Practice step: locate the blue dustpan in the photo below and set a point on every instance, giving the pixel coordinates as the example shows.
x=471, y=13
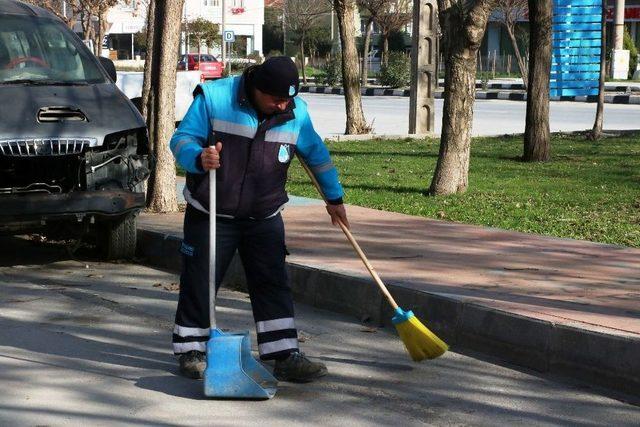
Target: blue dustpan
x=232, y=372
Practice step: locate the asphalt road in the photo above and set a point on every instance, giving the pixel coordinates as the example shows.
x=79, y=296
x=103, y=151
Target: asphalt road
x=88, y=343
x=390, y=115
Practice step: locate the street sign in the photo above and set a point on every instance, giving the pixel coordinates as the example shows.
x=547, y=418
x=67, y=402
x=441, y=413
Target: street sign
x=229, y=36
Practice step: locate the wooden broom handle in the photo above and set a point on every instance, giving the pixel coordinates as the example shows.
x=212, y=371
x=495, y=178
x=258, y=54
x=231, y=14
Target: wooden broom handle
x=352, y=240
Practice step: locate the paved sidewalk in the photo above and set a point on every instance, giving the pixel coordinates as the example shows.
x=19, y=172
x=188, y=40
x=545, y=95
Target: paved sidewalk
x=547, y=303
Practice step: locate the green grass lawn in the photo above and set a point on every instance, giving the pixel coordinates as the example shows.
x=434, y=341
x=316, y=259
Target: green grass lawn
x=587, y=191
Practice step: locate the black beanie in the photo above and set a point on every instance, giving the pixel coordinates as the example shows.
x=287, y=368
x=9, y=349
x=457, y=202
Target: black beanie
x=277, y=76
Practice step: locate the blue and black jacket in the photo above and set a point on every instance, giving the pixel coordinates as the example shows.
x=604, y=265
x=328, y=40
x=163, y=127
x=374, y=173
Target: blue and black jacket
x=255, y=155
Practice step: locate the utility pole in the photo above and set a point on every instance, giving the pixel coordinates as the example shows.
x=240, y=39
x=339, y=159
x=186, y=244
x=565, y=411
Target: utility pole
x=284, y=27
x=224, y=43
x=618, y=32
x=424, y=72
x=332, y=30
x=184, y=39
x=620, y=57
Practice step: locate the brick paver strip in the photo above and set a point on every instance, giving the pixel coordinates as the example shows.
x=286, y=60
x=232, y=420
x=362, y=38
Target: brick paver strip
x=563, y=279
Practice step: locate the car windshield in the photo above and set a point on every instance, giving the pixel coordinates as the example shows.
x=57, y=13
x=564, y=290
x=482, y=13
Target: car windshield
x=37, y=50
x=203, y=58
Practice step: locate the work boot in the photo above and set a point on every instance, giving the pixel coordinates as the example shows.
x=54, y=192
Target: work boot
x=298, y=368
x=193, y=364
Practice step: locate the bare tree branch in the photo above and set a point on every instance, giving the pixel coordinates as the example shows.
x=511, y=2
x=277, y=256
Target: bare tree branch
x=511, y=12
x=302, y=15
x=73, y=9
x=392, y=16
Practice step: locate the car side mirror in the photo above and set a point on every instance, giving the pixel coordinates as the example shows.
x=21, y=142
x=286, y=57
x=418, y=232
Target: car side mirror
x=108, y=66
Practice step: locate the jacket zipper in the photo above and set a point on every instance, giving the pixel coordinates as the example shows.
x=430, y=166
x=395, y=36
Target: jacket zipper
x=246, y=167
x=261, y=127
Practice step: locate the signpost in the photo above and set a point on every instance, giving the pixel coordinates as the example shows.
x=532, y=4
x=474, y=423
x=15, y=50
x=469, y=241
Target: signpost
x=229, y=36
x=577, y=40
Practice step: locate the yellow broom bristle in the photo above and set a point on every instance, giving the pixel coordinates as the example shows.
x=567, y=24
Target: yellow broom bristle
x=420, y=342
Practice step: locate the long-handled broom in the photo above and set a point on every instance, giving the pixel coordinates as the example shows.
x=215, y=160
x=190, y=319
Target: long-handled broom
x=420, y=342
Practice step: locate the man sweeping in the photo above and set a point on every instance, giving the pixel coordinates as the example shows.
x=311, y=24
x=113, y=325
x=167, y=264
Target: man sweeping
x=259, y=125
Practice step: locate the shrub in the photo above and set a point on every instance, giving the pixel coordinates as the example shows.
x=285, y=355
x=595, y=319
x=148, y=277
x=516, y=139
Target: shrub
x=274, y=53
x=629, y=45
x=397, y=72
x=332, y=71
x=255, y=56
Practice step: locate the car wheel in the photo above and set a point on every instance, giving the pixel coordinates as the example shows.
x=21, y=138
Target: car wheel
x=120, y=238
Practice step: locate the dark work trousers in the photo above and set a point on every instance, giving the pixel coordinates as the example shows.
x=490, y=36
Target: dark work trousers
x=261, y=246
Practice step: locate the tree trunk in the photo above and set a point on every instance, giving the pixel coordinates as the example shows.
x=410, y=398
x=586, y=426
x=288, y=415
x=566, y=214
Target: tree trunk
x=304, y=73
x=87, y=29
x=148, y=61
x=162, y=183
x=516, y=49
x=537, y=134
x=596, y=132
x=101, y=30
x=463, y=29
x=85, y=26
x=356, y=123
x=365, y=53
x=384, y=60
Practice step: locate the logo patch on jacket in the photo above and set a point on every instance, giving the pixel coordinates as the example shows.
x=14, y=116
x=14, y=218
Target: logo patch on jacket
x=283, y=153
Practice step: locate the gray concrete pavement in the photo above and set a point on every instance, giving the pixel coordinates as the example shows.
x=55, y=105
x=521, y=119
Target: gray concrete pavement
x=87, y=343
x=390, y=115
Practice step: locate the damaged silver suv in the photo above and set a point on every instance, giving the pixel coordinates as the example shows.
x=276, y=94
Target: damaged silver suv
x=74, y=152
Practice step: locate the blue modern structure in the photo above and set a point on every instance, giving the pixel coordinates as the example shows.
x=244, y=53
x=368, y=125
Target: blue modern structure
x=577, y=41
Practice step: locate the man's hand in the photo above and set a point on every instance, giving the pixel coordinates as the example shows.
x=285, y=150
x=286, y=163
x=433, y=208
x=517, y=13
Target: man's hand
x=210, y=157
x=337, y=212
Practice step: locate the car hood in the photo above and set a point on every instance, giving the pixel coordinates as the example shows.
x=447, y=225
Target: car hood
x=107, y=110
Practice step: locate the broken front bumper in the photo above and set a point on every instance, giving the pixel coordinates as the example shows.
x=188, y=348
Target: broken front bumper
x=57, y=206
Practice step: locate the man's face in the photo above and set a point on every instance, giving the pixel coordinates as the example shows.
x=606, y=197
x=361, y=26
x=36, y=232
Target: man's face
x=269, y=104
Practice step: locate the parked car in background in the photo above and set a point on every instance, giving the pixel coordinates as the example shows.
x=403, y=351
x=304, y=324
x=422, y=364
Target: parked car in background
x=207, y=64
x=74, y=151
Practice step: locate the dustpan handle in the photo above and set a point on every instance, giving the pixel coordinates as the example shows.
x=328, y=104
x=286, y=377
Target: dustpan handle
x=352, y=240
x=212, y=242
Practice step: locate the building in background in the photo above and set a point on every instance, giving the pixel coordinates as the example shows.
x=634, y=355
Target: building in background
x=244, y=17
x=125, y=21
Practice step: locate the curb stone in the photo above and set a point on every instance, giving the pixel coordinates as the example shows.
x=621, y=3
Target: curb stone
x=620, y=87
x=593, y=357
x=485, y=95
